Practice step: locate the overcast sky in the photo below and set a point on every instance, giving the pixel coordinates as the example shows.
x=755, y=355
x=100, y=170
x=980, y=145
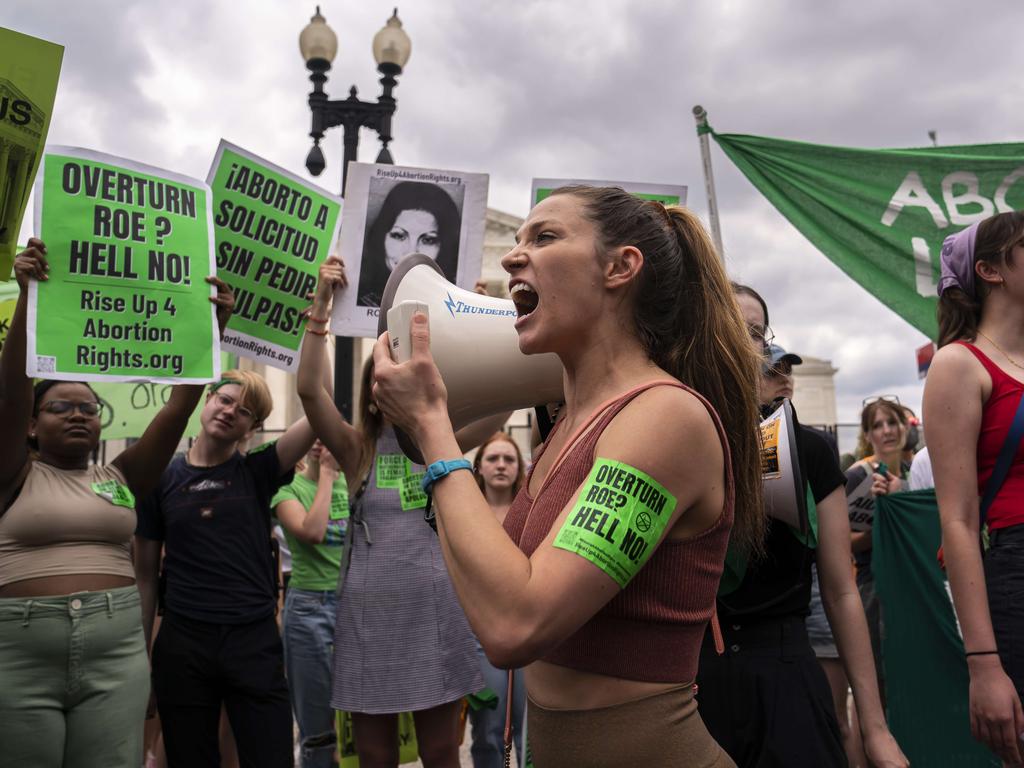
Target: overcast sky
x=600, y=89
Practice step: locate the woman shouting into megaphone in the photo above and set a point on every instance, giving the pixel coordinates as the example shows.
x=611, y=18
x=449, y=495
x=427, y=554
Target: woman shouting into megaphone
x=603, y=576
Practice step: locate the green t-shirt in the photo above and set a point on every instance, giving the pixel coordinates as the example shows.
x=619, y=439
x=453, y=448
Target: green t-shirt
x=314, y=566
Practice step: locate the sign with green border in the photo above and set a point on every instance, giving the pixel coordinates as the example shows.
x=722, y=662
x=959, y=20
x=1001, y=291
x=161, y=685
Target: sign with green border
x=29, y=70
x=129, y=249
x=272, y=230
x=666, y=194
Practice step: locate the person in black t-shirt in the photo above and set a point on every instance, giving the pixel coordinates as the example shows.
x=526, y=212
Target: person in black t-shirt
x=766, y=699
x=219, y=642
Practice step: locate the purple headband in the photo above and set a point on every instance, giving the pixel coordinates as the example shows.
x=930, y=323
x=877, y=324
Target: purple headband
x=957, y=261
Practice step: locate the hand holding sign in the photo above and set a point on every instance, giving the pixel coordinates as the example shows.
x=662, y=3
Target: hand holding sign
x=31, y=263
x=224, y=301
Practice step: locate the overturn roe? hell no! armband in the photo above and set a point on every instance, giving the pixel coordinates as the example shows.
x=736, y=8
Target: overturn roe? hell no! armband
x=617, y=519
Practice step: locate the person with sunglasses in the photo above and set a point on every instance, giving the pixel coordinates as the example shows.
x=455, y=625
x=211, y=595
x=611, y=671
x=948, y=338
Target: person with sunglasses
x=762, y=692
x=219, y=642
x=75, y=677
x=972, y=408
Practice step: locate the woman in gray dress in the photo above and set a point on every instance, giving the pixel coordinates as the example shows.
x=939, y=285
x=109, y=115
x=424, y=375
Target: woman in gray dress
x=402, y=642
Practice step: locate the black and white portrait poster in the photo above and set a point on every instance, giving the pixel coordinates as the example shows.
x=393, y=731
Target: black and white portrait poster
x=391, y=212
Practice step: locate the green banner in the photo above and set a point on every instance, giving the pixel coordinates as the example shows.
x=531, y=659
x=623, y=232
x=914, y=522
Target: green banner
x=29, y=69
x=923, y=655
x=881, y=214
x=129, y=249
x=272, y=231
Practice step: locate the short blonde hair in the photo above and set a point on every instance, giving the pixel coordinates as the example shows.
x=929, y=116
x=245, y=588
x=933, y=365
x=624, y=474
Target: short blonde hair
x=255, y=394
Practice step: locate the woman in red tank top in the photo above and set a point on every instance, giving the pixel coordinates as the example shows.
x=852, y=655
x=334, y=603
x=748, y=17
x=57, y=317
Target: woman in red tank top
x=973, y=388
x=606, y=578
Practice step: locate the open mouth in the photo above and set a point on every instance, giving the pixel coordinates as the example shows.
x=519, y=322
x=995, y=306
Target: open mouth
x=525, y=299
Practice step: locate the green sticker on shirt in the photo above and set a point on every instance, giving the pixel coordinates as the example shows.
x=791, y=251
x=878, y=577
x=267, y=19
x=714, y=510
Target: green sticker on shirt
x=411, y=490
x=339, y=501
x=617, y=520
x=115, y=493
x=391, y=468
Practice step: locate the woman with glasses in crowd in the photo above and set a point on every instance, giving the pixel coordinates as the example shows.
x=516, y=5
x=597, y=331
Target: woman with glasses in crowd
x=763, y=694
x=974, y=390
x=75, y=670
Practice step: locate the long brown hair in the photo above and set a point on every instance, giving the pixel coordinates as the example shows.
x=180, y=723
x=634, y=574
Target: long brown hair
x=867, y=418
x=689, y=324
x=371, y=420
x=958, y=313
x=520, y=468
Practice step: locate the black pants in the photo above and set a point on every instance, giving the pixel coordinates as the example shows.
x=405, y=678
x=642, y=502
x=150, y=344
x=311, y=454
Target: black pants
x=1004, y=580
x=766, y=700
x=198, y=666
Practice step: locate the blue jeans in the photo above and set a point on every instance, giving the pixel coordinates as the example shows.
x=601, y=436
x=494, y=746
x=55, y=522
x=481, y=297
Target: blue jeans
x=308, y=637
x=488, y=748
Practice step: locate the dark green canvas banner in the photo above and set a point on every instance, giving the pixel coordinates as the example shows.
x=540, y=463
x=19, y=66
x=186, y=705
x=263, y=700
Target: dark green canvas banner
x=923, y=655
x=881, y=214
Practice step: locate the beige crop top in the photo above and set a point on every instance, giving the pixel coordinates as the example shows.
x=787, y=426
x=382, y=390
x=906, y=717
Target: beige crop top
x=67, y=522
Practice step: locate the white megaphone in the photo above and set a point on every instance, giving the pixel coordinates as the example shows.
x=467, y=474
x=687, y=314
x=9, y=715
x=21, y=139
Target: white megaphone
x=473, y=341
x=785, y=496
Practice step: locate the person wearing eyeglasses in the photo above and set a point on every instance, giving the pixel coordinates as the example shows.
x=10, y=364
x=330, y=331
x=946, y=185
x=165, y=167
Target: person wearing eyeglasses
x=778, y=375
x=972, y=401
x=74, y=676
x=765, y=698
x=219, y=642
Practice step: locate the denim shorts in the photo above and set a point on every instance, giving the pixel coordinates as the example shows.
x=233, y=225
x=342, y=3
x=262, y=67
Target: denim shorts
x=1004, y=579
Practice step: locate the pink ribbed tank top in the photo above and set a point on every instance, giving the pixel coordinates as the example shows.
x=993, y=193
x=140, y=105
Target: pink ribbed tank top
x=651, y=630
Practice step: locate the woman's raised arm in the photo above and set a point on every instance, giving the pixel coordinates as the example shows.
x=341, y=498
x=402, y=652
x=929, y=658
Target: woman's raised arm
x=341, y=439
x=15, y=386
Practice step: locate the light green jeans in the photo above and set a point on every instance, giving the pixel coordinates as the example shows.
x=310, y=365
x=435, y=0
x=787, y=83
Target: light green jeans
x=74, y=680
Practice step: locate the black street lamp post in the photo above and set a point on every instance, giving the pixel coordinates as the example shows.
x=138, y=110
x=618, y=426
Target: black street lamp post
x=391, y=49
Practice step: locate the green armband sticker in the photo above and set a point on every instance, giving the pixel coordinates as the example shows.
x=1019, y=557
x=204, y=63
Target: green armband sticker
x=411, y=489
x=617, y=519
x=115, y=493
x=391, y=468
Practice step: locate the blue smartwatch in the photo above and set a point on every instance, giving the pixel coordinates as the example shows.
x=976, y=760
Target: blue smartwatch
x=440, y=469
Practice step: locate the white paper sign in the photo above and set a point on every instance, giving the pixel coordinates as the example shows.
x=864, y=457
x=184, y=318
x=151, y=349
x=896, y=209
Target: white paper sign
x=391, y=212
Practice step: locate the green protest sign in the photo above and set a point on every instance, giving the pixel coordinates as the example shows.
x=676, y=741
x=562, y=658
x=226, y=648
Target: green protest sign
x=129, y=408
x=881, y=215
x=8, y=300
x=129, y=249
x=272, y=231
x=29, y=68
x=666, y=194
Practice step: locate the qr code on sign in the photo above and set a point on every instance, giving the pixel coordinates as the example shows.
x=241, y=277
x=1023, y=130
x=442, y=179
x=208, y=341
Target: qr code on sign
x=46, y=363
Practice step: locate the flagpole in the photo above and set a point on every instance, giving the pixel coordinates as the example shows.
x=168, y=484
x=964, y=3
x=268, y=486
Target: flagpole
x=703, y=129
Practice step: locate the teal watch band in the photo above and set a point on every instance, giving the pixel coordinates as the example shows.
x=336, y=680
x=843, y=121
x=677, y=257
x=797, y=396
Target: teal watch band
x=440, y=469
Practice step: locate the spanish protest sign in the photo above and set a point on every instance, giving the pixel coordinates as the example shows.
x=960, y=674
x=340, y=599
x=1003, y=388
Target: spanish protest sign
x=272, y=231
x=392, y=212
x=666, y=194
x=881, y=214
x=129, y=248
x=29, y=68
